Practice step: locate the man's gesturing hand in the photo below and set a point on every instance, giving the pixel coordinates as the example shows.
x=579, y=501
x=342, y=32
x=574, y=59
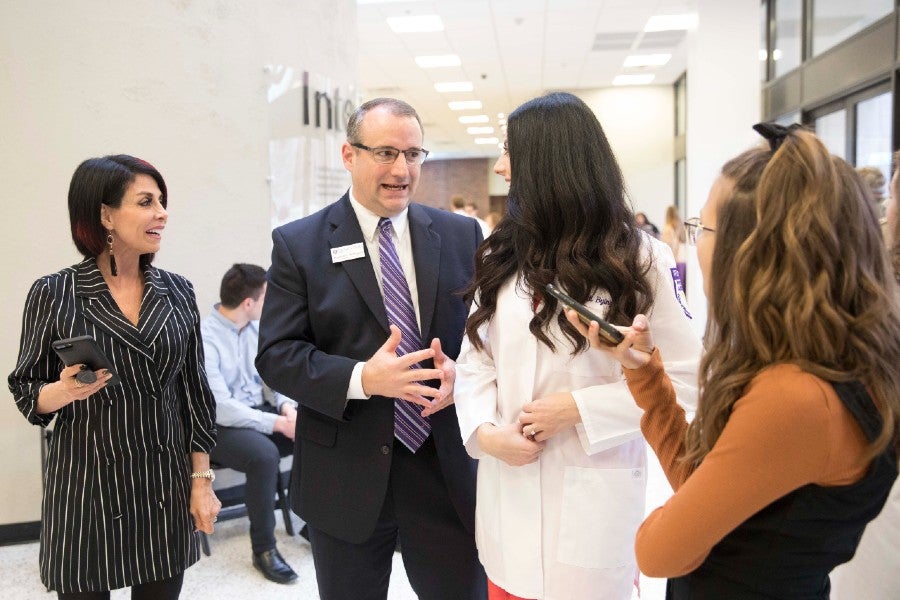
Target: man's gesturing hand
x=448, y=366
x=386, y=374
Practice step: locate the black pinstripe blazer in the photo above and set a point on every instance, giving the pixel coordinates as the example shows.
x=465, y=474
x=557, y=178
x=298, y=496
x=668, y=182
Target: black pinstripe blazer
x=115, y=510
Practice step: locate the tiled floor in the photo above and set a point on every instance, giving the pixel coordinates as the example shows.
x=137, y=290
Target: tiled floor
x=228, y=574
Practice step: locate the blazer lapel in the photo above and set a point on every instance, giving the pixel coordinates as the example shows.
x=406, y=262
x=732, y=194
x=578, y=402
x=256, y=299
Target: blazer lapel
x=99, y=307
x=360, y=270
x=426, y=249
x=156, y=307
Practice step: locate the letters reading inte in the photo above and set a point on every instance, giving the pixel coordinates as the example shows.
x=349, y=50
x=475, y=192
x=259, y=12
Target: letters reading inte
x=336, y=112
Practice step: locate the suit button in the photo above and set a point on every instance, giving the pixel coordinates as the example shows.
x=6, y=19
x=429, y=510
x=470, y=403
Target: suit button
x=159, y=449
x=385, y=449
x=109, y=402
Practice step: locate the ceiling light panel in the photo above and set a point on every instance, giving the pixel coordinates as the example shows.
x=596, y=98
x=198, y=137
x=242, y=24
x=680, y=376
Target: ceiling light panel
x=415, y=24
x=465, y=105
x=438, y=60
x=454, y=86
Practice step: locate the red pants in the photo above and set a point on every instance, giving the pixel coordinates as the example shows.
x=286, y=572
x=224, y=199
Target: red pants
x=495, y=592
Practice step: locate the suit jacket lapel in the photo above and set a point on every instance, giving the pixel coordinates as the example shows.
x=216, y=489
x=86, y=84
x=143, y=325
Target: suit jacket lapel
x=426, y=249
x=99, y=307
x=156, y=307
x=360, y=270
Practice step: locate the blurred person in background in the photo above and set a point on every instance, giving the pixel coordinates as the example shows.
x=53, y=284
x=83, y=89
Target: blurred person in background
x=673, y=235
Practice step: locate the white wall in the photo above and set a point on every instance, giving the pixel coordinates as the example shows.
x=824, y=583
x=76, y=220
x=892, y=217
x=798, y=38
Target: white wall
x=723, y=103
x=639, y=122
x=178, y=83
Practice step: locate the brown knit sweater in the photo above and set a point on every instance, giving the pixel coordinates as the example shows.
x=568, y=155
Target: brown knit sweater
x=789, y=429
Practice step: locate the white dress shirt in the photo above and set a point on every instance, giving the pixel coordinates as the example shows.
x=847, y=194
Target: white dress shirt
x=368, y=222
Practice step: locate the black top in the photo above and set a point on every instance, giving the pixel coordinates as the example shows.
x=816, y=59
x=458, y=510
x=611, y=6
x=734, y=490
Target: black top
x=787, y=549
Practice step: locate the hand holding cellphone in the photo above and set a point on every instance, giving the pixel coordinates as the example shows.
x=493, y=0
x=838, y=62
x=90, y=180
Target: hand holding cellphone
x=84, y=350
x=608, y=333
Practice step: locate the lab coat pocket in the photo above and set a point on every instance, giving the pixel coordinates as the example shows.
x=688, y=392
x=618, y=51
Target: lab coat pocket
x=601, y=511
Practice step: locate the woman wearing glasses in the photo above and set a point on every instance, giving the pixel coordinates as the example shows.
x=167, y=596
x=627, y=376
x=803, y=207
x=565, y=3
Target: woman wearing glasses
x=562, y=469
x=794, y=445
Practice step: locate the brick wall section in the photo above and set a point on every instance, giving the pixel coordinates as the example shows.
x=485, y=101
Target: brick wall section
x=441, y=179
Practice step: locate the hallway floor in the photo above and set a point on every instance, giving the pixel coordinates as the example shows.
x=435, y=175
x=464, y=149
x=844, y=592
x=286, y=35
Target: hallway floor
x=228, y=574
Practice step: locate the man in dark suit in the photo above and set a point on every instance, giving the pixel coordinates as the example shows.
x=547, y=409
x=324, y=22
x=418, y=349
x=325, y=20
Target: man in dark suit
x=378, y=453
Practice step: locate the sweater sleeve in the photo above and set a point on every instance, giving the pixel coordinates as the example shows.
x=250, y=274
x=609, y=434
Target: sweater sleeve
x=789, y=429
x=663, y=422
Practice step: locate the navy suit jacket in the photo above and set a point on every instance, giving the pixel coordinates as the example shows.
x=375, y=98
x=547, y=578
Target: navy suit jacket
x=320, y=318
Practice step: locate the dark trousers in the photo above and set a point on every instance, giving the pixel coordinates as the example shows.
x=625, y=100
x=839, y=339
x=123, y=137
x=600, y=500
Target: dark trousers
x=256, y=455
x=165, y=589
x=439, y=554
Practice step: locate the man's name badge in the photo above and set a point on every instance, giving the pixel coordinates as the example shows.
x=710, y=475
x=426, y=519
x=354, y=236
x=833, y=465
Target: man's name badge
x=342, y=253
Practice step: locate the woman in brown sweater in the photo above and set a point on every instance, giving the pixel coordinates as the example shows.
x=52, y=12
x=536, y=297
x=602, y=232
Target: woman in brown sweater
x=794, y=445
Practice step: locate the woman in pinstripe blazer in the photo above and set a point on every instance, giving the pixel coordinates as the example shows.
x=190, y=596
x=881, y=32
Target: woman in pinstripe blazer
x=121, y=503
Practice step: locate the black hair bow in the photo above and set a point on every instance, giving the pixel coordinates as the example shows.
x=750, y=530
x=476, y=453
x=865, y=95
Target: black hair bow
x=775, y=133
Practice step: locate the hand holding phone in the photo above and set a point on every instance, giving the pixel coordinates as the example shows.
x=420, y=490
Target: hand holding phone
x=84, y=350
x=608, y=332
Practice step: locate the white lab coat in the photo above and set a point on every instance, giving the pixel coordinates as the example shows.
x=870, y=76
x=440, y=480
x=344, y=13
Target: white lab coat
x=563, y=528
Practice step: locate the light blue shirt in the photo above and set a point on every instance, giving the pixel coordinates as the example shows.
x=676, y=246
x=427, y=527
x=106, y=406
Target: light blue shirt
x=237, y=386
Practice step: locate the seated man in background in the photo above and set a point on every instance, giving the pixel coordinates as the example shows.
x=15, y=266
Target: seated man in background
x=256, y=426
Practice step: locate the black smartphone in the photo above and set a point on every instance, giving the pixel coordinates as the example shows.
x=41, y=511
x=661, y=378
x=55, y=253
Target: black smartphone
x=610, y=334
x=84, y=350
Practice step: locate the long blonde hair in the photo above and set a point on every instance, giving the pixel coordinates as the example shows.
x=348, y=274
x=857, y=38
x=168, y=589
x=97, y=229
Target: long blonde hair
x=673, y=220
x=810, y=285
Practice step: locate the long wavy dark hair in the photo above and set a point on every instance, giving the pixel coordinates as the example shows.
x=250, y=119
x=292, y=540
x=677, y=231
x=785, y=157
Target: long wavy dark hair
x=568, y=221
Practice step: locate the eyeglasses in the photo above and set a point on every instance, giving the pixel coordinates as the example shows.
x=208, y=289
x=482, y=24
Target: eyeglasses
x=387, y=155
x=693, y=229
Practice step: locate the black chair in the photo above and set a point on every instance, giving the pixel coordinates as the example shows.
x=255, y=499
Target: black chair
x=229, y=488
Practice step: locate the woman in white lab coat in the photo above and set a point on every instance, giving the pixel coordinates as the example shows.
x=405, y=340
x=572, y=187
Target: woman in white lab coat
x=562, y=470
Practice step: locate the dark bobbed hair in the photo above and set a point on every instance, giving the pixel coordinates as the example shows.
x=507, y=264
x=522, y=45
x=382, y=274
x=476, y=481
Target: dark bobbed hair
x=568, y=219
x=241, y=281
x=396, y=107
x=99, y=181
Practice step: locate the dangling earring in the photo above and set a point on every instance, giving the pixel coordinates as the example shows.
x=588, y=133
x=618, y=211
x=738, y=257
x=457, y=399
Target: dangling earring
x=112, y=257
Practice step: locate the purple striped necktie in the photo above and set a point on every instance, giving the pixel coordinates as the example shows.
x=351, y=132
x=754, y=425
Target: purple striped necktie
x=410, y=427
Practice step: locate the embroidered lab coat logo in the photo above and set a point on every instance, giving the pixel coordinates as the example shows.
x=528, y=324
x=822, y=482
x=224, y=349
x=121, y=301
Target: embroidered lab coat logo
x=679, y=291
